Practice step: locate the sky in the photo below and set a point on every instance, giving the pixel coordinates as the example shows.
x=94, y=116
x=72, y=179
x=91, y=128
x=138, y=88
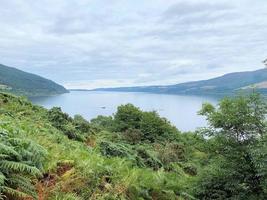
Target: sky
x=108, y=43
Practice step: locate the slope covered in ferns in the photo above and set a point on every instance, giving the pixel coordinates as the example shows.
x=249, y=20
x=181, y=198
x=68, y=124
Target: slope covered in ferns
x=46, y=154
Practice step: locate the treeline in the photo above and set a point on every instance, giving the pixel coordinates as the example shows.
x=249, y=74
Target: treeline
x=46, y=154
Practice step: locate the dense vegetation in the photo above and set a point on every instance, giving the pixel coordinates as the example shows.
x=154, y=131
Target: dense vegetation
x=22, y=83
x=227, y=84
x=46, y=154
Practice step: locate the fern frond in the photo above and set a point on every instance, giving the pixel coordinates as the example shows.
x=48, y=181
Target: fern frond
x=19, y=167
x=8, y=150
x=23, y=183
x=14, y=193
x=2, y=179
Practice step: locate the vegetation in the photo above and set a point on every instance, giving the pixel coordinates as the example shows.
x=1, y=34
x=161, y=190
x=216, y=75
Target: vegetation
x=46, y=154
x=23, y=83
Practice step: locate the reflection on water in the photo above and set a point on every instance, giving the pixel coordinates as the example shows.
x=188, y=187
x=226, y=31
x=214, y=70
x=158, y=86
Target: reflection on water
x=180, y=110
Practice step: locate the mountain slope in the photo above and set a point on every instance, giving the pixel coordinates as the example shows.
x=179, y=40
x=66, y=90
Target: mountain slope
x=23, y=83
x=226, y=84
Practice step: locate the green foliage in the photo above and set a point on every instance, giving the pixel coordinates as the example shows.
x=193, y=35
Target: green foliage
x=238, y=129
x=128, y=116
x=77, y=128
x=133, y=136
x=171, y=152
x=103, y=122
x=240, y=118
x=21, y=161
x=110, y=149
x=135, y=154
x=143, y=126
x=155, y=128
x=81, y=124
x=146, y=158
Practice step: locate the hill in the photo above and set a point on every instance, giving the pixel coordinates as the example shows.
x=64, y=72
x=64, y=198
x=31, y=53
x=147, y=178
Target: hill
x=223, y=85
x=23, y=83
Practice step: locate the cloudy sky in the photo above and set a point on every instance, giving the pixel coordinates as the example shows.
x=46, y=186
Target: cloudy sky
x=104, y=43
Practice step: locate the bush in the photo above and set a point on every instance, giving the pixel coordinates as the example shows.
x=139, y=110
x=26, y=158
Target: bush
x=104, y=122
x=132, y=136
x=58, y=118
x=171, y=152
x=127, y=117
x=76, y=129
x=81, y=124
x=146, y=158
x=151, y=127
x=155, y=128
x=109, y=149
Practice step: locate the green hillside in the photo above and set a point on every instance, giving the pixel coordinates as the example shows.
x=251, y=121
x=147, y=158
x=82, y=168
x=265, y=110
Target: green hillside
x=223, y=85
x=133, y=155
x=23, y=83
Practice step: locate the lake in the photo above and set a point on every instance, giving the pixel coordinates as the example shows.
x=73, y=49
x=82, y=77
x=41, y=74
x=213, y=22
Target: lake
x=181, y=111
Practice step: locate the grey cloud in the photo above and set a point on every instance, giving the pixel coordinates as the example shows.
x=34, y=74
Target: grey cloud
x=91, y=43
x=189, y=7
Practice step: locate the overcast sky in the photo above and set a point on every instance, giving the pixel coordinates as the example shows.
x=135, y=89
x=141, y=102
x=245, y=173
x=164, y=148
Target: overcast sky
x=106, y=43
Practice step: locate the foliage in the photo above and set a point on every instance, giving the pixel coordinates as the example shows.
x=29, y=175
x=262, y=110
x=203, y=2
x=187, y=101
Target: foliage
x=146, y=126
x=21, y=161
x=136, y=154
x=128, y=117
x=238, y=128
x=77, y=128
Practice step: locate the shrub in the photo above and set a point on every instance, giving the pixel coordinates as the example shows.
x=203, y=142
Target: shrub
x=132, y=136
x=109, y=149
x=171, y=152
x=81, y=124
x=103, y=122
x=76, y=129
x=151, y=127
x=127, y=116
x=147, y=158
x=58, y=118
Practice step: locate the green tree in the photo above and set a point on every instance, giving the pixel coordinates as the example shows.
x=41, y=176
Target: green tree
x=154, y=127
x=237, y=130
x=128, y=116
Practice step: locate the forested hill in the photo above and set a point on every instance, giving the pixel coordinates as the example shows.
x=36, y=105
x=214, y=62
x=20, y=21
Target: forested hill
x=23, y=83
x=226, y=84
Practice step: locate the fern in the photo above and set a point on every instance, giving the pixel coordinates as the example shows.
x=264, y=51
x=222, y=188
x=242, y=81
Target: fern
x=13, y=166
x=20, y=162
x=14, y=192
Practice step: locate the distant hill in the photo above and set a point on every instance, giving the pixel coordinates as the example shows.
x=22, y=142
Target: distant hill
x=23, y=83
x=223, y=85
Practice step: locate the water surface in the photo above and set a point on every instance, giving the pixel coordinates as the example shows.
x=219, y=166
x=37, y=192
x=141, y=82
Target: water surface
x=181, y=111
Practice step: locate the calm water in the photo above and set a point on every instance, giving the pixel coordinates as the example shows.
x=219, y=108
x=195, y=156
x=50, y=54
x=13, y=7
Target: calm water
x=180, y=110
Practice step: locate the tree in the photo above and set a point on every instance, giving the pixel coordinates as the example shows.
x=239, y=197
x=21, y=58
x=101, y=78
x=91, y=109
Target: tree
x=128, y=116
x=237, y=130
x=154, y=127
x=151, y=126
